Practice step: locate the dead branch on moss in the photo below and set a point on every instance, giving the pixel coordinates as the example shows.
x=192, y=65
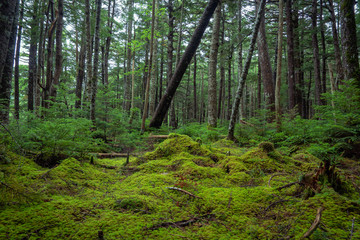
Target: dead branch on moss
x=274, y=204
x=315, y=224
x=182, y=223
x=158, y=136
x=275, y=175
x=287, y=185
x=183, y=191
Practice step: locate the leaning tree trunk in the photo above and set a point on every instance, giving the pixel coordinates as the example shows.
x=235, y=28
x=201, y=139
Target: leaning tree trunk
x=239, y=91
x=349, y=41
x=190, y=50
x=5, y=78
x=212, y=98
x=96, y=62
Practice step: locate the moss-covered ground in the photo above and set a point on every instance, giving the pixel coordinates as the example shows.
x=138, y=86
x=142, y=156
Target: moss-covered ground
x=181, y=190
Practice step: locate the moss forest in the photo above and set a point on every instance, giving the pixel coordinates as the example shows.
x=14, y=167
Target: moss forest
x=179, y=119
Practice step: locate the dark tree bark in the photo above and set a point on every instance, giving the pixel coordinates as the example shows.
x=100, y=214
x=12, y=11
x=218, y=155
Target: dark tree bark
x=88, y=49
x=7, y=68
x=195, y=40
x=291, y=57
x=337, y=52
x=96, y=61
x=240, y=88
x=50, y=63
x=316, y=57
x=222, y=68
x=80, y=73
x=32, y=56
x=17, y=60
x=323, y=45
x=349, y=41
x=228, y=114
x=266, y=71
x=278, y=67
x=58, y=49
x=212, y=83
x=170, y=48
x=7, y=13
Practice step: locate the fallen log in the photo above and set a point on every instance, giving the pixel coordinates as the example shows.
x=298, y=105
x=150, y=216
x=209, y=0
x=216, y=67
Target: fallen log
x=158, y=136
x=112, y=155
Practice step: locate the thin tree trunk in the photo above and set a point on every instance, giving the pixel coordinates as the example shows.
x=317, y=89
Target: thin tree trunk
x=32, y=57
x=278, y=74
x=323, y=45
x=195, y=40
x=96, y=62
x=228, y=114
x=153, y=75
x=108, y=41
x=316, y=57
x=337, y=52
x=239, y=91
x=195, y=87
x=127, y=87
x=49, y=65
x=17, y=60
x=80, y=73
x=88, y=50
x=58, y=49
x=212, y=83
x=291, y=55
x=146, y=102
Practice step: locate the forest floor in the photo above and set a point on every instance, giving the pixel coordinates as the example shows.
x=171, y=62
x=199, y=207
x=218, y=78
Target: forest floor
x=183, y=190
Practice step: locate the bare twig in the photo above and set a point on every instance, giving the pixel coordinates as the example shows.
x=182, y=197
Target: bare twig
x=183, y=191
x=275, y=175
x=182, y=223
x=315, y=223
x=352, y=228
x=288, y=185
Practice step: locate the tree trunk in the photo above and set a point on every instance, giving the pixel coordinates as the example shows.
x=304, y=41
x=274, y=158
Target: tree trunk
x=266, y=70
x=108, y=41
x=349, y=41
x=222, y=69
x=50, y=63
x=316, y=57
x=323, y=45
x=58, y=49
x=153, y=75
x=291, y=56
x=96, y=62
x=127, y=84
x=7, y=68
x=212, y=98
x=80, y=73
x=278, y=73
x=17, y=60
x=146, y=102
x=195, y=89
x=170, y=46
x=337, y=52
x=239, y=91
x=32, y=56
x=88, y=49
x=165, y=101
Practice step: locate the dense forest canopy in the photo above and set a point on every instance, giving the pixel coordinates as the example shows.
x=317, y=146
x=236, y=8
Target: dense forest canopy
x=90, y=78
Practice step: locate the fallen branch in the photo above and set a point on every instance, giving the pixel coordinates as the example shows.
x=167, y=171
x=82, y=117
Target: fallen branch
x=182, y=223
x=275, y=203
x=111, y=155
x=158, y=136
x=315, y=224
x=275, y=175
x=183, y=191
x=352, y=228
x=287, y=185
x=230, y=199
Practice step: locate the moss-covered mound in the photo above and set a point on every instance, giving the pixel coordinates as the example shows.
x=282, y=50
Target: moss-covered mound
x=181, y=190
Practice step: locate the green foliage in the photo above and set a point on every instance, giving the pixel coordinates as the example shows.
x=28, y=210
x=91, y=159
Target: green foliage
x=201, y=131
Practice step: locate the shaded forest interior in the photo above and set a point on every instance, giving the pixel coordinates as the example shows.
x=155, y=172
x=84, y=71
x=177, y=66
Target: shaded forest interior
x=98, y=79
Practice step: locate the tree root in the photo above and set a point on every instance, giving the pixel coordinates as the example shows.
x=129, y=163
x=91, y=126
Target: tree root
x=275, y=175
